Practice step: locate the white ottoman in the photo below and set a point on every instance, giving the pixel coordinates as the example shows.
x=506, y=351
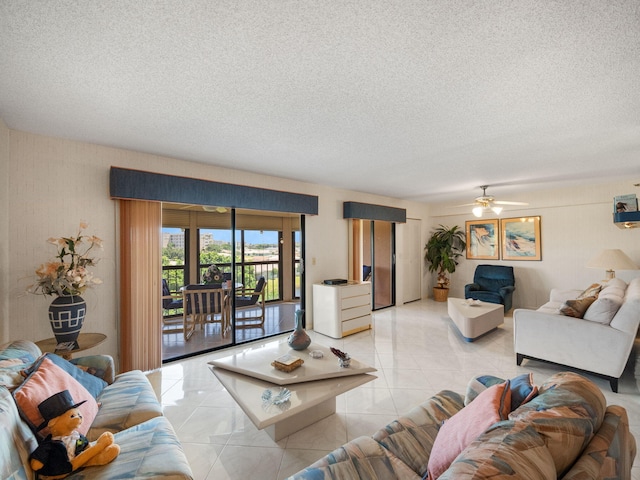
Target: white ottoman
x=474, y=320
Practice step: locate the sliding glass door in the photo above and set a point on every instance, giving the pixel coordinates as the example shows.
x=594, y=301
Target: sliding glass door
x=383, y=248
x=372, y=254
x=259, y=256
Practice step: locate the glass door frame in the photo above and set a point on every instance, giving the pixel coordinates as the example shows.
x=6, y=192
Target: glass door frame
x=362, y=251
x=194, y=229
x=392, y=263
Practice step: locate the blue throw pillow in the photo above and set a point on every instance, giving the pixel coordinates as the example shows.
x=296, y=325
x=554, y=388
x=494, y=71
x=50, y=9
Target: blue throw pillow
x=93, y=384
x=522, y=390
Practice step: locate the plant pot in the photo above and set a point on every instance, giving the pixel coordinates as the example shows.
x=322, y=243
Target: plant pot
x=440, y=294
x=66, y=314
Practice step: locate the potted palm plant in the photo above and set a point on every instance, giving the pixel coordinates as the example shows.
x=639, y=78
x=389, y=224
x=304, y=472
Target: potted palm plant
x=442, y=250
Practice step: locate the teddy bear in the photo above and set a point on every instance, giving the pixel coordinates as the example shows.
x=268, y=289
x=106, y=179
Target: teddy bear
x=65, y=450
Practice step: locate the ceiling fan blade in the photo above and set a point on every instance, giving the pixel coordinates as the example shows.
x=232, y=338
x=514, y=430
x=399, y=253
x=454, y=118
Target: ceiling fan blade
x=501, y=202
x=488, y=201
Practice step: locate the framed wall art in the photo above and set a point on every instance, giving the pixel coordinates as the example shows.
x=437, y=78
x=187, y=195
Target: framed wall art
x=521, y=238
x=483, y=239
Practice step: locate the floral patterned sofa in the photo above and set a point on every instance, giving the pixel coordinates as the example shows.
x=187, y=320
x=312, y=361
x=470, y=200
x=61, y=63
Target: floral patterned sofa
x=500, y=429
x=123, y=404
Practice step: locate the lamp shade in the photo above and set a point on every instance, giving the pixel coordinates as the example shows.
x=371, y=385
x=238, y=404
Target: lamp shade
x=611, y=260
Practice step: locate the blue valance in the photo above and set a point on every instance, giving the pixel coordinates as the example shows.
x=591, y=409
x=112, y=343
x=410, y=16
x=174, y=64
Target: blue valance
x=140, y=185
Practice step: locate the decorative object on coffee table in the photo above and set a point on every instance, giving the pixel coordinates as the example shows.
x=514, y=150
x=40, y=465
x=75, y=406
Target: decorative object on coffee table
x=343, y=358
x=279, y=396
x=287, y=363
x=67, y=277
x=299, y=340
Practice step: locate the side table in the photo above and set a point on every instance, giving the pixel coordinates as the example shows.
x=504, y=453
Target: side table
x=85, y=342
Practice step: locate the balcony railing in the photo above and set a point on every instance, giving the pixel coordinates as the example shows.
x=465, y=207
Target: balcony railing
x=247, y=274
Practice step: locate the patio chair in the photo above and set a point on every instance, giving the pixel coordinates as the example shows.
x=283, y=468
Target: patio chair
x=171, y=301
x=204, y=304
x=246, y=299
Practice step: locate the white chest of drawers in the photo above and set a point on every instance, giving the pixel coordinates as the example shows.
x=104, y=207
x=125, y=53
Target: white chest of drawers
x=341, y=310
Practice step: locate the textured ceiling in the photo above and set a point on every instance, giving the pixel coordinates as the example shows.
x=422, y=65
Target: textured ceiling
x=417, y=99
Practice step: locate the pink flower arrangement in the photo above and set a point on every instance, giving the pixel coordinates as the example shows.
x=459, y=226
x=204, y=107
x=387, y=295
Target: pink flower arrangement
x=68, y=274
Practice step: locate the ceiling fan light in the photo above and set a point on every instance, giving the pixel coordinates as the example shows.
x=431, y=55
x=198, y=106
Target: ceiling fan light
x=497, y=210
x=477, y=211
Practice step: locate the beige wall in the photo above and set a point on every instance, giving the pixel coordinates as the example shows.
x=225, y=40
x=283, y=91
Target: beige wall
x=4, y=232
x=53, y=184
x=576, y=224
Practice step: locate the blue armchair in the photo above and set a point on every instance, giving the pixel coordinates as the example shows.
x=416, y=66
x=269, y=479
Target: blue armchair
x=493, y=284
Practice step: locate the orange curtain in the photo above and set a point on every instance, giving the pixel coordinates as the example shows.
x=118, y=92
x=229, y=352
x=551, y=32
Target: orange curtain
x=140, y=290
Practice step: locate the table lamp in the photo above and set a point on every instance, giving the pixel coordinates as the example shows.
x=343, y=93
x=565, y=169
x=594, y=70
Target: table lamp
x=611, y=260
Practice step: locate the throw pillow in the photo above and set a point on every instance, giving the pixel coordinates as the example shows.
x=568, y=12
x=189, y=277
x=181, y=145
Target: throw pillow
x=14, y=358
x=522, y=388
x=612, y=292
x=49, y=379
x=479, y=384
x=603, y=309
x=489, y=407
x=591, y=291
x=576, y=308
x=615, y=282
x=93, y=384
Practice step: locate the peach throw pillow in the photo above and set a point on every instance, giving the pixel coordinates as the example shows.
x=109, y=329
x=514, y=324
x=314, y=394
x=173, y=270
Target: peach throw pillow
x=46, y=381
x=491, y=406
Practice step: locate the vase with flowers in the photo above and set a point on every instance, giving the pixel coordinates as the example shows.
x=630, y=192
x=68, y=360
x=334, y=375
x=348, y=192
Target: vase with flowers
x=212, y=275
x=67, y=277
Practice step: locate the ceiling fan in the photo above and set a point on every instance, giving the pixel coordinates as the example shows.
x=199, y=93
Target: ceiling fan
x=488, y=202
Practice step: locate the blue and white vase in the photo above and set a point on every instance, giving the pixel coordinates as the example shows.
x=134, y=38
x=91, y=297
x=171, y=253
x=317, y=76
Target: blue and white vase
x=66, y=314
x=299, y=340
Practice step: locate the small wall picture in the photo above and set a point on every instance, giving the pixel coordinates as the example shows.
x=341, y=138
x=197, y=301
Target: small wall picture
x=521, y=238
x=625, y=203
x=483, y=239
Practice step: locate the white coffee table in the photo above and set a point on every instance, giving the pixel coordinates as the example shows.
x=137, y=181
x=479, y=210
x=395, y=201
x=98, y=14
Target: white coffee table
x=314, y=386
x=475, y=319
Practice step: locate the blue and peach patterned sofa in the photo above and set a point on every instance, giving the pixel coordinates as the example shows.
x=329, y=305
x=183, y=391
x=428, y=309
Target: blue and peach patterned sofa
x=563, y=429
x=126, y=405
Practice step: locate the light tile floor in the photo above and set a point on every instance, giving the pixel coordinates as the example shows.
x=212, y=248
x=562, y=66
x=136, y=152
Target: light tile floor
x=418, y=352
x=279, y=317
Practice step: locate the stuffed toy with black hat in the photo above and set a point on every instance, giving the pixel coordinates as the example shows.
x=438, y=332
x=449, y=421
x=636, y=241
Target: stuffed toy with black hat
x=65, y=449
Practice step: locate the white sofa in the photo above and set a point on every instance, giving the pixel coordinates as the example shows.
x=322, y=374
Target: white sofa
x=600, y=342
